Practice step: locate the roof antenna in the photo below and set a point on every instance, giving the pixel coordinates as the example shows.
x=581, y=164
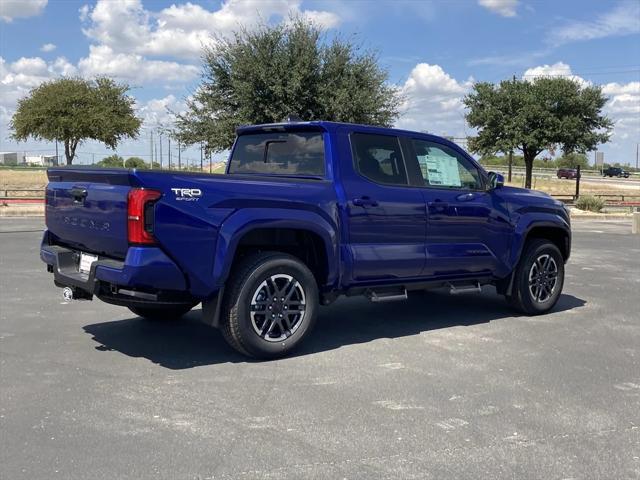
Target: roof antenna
x=291, y=118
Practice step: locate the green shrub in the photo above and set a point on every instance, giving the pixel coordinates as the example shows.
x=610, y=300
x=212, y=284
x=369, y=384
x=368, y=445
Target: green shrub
x=111, y=161
x=590, y=203
x=135, y=162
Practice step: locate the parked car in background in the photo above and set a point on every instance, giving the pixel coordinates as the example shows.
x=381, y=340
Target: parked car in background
x=569, y=173
x=615, y=172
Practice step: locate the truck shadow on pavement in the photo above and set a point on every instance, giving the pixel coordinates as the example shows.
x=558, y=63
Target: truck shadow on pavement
x=189, y=343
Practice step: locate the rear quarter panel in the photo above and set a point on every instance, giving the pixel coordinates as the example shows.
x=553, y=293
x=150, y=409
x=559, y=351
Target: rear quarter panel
x=200, y=234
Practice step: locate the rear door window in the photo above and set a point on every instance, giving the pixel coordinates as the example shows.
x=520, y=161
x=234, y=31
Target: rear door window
x=379, y=158
x=279, y=153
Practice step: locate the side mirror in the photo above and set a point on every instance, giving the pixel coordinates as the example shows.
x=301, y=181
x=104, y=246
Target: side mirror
x=496, y=180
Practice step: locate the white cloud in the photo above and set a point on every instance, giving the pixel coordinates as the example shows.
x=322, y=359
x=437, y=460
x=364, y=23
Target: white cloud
x=47, y=47
x=29, y=66
x=181, y=30
x=625, y=98
x=102, y=60
x=322, y=19
x=11, y=9
x=159, y=111
x=558, y=69
x=433, y=101
x=506, y=8
x=624, y=19
x=61, y=67
x=17, y=78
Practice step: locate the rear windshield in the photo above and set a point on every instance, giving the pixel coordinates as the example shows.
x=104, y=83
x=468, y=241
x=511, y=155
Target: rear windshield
x=283, y=153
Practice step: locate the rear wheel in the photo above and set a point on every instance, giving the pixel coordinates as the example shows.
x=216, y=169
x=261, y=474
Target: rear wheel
x=539, y=278
x=270, y=305
x=161, y=313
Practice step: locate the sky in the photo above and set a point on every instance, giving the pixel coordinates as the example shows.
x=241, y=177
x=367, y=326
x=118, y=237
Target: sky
x=434, y=50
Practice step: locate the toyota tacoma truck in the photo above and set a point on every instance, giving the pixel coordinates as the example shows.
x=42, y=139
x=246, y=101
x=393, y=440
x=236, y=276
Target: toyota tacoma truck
x=306, y=212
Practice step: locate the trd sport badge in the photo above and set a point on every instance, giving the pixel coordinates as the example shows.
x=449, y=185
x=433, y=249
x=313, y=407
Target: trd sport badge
x=187, y=194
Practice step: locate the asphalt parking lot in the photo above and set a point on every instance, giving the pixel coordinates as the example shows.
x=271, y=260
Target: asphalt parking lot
x=436, y=387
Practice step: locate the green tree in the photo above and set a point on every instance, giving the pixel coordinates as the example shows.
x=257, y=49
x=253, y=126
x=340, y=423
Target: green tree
x=136, y=162
x=111, y=161
x=264, y=75
x=532, y=116
x=71, y=110
x=572, y=160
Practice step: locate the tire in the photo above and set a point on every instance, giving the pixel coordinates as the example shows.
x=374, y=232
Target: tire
x=255, y=290
x=539, y=278
x=162, y=314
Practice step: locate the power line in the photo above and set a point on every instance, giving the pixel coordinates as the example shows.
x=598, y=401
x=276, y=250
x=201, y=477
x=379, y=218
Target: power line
x=580, y=73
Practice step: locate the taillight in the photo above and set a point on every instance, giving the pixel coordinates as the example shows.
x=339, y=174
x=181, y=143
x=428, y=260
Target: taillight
x=140, y=215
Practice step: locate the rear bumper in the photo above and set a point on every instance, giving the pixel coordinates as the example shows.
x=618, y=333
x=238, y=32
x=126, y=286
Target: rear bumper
x=146, y=272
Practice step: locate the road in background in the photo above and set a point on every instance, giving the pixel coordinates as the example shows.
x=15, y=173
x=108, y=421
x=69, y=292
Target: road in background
x=435, y=387
x=618, y=182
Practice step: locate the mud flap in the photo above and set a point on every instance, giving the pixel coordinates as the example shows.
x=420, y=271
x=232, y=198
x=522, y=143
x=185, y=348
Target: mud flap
x=211, y=309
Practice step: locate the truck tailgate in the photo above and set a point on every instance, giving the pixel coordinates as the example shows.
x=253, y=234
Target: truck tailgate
x=87, y=209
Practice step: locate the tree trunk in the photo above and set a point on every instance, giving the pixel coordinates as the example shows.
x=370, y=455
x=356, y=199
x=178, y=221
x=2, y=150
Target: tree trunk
x=68, y=152
x=510, y=166
x=528, y=164
x=70, y=145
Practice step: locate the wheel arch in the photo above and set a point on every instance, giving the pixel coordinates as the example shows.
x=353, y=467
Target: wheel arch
x=559, y=233
x=541, y=225
x=559, y=236
x=303, y=234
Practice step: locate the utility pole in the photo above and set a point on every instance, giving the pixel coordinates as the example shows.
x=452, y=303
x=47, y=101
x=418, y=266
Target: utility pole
x=179, y=160
x=169, y=140
x=160, y=135
x=151, y=150
x=637, y=148
x=201, y=154
x=58, y=161
x=211, y=162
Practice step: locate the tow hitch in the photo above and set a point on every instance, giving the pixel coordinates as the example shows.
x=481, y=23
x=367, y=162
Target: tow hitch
x=70, y=293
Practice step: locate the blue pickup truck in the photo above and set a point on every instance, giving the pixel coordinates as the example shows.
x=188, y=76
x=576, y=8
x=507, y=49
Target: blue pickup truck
x=306, y=212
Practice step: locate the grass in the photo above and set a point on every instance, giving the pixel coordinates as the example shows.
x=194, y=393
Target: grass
x=22, y=179
x=554, y=186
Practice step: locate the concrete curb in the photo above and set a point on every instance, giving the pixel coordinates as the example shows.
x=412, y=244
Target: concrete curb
x=596, y=216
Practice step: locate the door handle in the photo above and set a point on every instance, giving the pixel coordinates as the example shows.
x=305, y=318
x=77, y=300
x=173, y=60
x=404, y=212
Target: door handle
x=466, y=197
x=78, y=193
x=365, y=202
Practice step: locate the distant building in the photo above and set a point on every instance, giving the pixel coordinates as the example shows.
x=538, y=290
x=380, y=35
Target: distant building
x=11, y=158
x=41, y=160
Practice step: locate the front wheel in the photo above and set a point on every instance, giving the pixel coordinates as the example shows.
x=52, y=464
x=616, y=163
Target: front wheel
x=269, y=305
x=539, y=278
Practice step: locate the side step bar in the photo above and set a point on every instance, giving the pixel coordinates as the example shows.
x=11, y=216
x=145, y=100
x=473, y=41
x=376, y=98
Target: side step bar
x=465, y=288
x=378, y=297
